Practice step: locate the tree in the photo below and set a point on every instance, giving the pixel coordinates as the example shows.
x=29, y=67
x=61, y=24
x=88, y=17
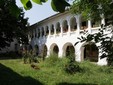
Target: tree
x=57, y=5
x=95, y=10
x=10, y=26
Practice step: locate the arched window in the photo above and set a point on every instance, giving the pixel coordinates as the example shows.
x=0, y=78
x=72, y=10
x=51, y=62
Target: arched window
x=84, y=24
x=90, y=52
x=38, y=33
x=95, y=23
x=42, y=31
x=73, y=24
x=54, y=49
x=52, y=29
x=65, y=26
x=69, y=50
x=58, y=28
x=47, y=30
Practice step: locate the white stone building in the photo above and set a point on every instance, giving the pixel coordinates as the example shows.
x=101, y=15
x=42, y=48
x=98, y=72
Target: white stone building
x=59, y=33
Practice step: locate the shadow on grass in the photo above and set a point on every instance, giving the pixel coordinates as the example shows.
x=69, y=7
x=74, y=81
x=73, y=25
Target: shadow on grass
x=65, y=83
x=9, y=77
x=10, y=55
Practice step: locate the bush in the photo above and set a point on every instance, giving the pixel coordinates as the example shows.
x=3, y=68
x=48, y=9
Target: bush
x=29, y=57
x=72, y=67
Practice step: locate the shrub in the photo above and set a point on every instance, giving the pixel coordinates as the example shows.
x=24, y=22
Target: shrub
x=29, y=57
x=72, y=67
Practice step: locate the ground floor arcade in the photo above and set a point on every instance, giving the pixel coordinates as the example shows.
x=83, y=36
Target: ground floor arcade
x=81, y=52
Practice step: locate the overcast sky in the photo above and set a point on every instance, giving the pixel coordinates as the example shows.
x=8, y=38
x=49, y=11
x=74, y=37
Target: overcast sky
x=38, y=12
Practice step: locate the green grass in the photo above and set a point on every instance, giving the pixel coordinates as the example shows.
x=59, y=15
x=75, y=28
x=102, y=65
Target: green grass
x=14, y=72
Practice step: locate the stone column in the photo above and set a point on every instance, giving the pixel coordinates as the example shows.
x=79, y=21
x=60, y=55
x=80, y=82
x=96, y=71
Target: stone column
x=78, y=19
x=102, y=19
x=60, y=54
x=61, y=27
x=54, y=29
x=89, y=26
x=48, y=53
x=49, y=27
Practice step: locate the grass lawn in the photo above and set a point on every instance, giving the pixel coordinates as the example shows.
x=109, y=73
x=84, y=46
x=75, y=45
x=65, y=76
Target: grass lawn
x=14, y=72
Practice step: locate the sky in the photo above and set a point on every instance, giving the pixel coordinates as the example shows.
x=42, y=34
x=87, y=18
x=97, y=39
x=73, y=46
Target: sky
x=38, y=12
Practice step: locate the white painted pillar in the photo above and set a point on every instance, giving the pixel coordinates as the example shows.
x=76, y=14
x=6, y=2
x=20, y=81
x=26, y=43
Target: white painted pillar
x=78, y=52
x=68, y=23
x=48, y=54
x=78, y=19
x=103, y=21
x=89, y=26
x=49, y=28
x=60, y=53
x=61, y=26
x=54, y=29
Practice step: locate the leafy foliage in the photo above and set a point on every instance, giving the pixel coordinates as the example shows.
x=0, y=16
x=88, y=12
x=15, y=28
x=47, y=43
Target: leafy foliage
x=27, y=4
x=105, y=40
x=95, y=10
x=57, y=5
x=92, y=9
x=72, y=67
x=10, y=26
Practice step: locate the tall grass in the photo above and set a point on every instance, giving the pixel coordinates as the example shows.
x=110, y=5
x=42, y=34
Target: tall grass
x=52, y=73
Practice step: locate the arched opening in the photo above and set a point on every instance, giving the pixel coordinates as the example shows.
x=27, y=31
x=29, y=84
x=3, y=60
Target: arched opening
x=65, y=26
x=52, y=29
x=58, y=28
x=47, y=30
x=35, y=33
x=84, y=24
x=36, y=50
x=44, y=52
x=30, y=48
x=38, y=33
x=90, y=52
x=73, y=24
x=95, y=23
x=69, y=50
x=54, y=49
x=42, y=31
